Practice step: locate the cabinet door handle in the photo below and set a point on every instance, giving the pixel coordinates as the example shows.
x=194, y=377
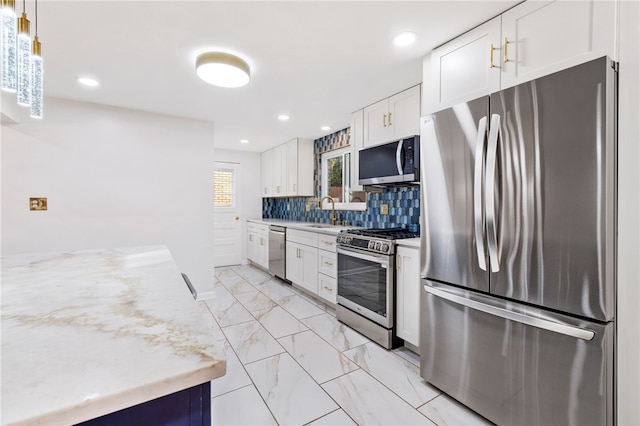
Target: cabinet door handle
x=506, y=43
x=330, y=243
x=265, y=190
x=250, y=237
x=261, y=241
x=329, y=289
x=294, y=187
x=384, y=120
x=491, y=49
x=398, y=262
x=328, y=263
x=278, y=189
x=390, y=123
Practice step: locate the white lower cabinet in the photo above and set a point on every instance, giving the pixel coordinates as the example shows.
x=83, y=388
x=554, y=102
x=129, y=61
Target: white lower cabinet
x=302, y=259
x=408, y=294
x=258, y=244
x=312, y=262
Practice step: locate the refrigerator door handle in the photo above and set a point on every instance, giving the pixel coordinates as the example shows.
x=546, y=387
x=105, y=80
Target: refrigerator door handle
x=567, y=330
x=490, y=193
x=399, y=157
x=478, y=211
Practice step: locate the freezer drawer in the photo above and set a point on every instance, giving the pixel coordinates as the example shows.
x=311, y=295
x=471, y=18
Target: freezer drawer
x=516, y=364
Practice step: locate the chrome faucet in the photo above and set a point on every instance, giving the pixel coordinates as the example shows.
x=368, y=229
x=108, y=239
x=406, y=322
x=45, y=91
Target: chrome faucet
x=333, y=208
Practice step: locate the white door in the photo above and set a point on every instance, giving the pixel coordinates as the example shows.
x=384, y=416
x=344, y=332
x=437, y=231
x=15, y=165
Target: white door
x=227, y=224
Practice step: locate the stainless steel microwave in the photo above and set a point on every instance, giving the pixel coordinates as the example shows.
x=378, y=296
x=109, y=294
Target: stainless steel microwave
x=394, y=162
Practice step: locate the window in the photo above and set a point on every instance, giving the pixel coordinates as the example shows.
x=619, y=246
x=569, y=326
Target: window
x=336, y=179
x=224, y=188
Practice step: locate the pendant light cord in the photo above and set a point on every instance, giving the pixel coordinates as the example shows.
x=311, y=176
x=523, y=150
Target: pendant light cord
x=36, y=18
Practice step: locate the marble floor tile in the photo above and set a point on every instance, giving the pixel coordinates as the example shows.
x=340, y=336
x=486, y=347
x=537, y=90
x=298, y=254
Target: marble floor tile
x=235, y=378
x=410, y=356
x=252, y=274
x=224, y=271
x=251, y=341
x=396, y=373
x=368, y=402
x=299, y=307
x=337, y=334
x=213, y=325
x=321, y=360
x=275, y=289
x=236, y=284
x=255, y=301
x=337, y=418
x=446, y=411
x=279, y=322
x=290, y=393
x=226, y=309
x=240, y=407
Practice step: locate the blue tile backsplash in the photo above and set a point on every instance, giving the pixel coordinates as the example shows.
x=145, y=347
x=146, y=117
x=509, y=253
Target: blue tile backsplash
x=403, y=202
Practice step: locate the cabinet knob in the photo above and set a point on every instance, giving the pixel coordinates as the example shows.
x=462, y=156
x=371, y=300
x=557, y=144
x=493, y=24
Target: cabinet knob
x=237, y=217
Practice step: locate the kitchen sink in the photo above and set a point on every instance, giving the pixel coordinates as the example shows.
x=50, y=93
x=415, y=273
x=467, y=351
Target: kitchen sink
x=319, y=225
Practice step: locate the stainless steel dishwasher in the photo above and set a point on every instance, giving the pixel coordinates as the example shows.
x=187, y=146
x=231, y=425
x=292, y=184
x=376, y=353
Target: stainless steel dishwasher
x=277, y=250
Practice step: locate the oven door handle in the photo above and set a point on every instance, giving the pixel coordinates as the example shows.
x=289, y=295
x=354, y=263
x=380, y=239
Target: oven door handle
x=381, y=259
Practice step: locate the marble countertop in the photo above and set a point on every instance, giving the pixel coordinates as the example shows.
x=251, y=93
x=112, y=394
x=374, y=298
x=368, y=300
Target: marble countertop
x=87, y=333
x=409, y=242
x=322, y=228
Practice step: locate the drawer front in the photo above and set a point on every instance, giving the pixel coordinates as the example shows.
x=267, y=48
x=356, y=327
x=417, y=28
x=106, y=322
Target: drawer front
x=302, y=237
x=327, y=242
x=258, y=228
x=328, y=263
x=327, y=288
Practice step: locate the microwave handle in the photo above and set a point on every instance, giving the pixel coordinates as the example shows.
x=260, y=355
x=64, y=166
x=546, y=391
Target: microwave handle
x=400, y=158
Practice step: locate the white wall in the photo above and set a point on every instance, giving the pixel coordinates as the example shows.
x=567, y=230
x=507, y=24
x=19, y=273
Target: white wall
x=250, y=184
x=628, y=315
x=113, y=178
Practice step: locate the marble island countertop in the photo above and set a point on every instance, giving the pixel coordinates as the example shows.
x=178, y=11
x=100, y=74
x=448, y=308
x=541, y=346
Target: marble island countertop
x=86, y=333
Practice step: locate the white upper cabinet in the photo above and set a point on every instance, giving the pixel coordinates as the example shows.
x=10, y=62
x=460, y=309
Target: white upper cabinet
x=300, y=167
x=287, y=170
x=392, y=118
x=356, y=140
x=463, y=69
x=543, y=37
x=267, y=170
x=533, y=39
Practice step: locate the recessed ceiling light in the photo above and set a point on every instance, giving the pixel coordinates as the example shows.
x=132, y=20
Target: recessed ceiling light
x=222, y=69
x=404, y=39
x=283, y=117
x=87, y=81
x=325, y=128
x=244, y=141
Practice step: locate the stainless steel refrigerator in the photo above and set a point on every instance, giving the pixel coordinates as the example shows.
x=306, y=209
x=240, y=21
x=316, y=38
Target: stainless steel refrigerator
x=518, y=250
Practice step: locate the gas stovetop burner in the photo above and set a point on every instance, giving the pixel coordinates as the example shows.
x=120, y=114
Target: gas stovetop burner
x=377, y=240
x=385, y=233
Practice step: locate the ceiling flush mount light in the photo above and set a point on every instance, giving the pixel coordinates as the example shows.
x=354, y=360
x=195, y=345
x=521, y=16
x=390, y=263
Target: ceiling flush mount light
x=283, y=117
x=244, y=141
x=325, y=128
x=87, y=81
x=404, y=39
x=222, y=69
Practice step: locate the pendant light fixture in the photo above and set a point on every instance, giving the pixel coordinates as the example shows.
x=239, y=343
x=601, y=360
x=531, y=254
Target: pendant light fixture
x=222, y=69
x=24, y=53
x=36, y=73
x=9, y=23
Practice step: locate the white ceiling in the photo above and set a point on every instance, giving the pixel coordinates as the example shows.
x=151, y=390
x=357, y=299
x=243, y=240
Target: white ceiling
x=315, y=61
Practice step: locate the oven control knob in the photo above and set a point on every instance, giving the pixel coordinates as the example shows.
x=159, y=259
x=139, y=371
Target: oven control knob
x=372, y=245
x=385, y=248
x=348, y=239
x=341, y=239
x=378, y=246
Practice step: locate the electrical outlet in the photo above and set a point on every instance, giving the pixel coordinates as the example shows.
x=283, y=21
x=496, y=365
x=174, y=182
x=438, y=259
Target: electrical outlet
x=39, y=203
x=307, y=207
x=384, y=209
x=288, y=207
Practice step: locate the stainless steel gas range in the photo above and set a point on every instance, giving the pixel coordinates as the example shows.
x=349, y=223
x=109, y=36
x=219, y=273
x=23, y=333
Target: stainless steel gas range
x=366, y=281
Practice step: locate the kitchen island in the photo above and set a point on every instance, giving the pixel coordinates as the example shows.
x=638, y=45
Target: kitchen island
x=89, y=333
